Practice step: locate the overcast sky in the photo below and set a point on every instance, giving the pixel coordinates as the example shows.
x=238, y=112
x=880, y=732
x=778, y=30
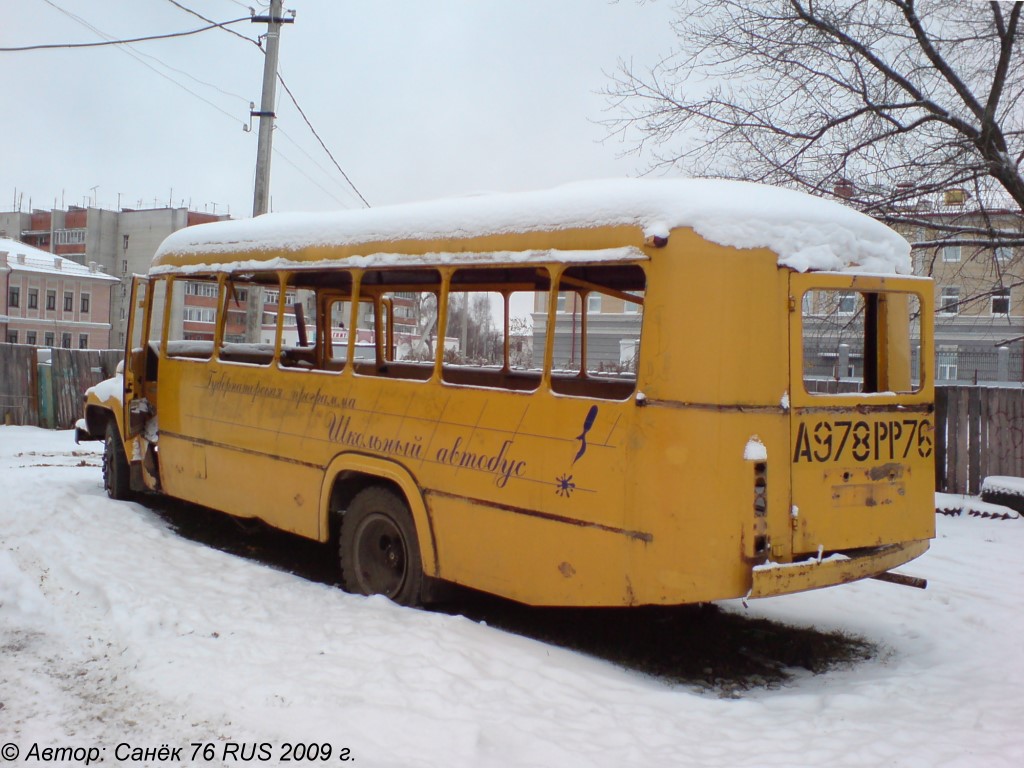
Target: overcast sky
x=415, y=99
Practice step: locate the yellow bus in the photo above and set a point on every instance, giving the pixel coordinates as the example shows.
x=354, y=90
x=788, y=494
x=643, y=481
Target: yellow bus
x=621, y=393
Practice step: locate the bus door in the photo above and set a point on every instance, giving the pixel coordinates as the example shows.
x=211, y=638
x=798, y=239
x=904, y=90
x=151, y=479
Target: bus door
x=861, y=411
x=136, y=406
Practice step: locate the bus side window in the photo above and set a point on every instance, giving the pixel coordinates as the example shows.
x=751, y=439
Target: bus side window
x=338, y=315
x=300, y=344
x=489, y=339
x=397, y=324
x=193, y=319
x=597, y=331
x=244, y=320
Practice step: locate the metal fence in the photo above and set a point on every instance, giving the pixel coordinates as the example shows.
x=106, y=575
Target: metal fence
x=971, y=365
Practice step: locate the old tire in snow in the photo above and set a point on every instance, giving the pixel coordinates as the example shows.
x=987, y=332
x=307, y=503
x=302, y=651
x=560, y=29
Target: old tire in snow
x=378, y=548
x=115, y=464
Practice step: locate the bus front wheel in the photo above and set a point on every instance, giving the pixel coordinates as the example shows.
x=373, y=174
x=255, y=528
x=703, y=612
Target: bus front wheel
x=115, y=464
x=378, y=548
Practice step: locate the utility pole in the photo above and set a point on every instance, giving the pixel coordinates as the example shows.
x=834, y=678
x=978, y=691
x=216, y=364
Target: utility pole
x=261, y=193
x=264, y=143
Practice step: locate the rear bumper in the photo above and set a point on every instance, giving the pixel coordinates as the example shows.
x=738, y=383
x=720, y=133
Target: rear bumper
x=784, y=578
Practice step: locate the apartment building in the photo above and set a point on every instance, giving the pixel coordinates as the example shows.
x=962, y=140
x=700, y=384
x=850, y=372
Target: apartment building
x=120, y=244
x=979, y=288
x=52, y=301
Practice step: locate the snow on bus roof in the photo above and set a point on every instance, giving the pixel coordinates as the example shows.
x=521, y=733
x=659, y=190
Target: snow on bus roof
x=807, y=233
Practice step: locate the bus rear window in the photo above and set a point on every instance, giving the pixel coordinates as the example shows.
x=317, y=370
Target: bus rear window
x=860, y=342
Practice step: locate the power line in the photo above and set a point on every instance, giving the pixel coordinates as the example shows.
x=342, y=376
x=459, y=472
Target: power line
x=51, y=46
x=317, y=135
x=319, y=166
x=293, y=100
x=129, y=51
x=312, y=181
x=210, y=21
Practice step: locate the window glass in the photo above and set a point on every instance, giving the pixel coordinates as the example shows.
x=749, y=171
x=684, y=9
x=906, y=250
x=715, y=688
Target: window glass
x=946, y=368
x=1001, y=302
x=949, y=301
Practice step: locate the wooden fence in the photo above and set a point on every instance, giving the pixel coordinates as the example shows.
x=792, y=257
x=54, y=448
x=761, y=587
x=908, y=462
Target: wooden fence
x=979, y=431
x=49, y=395
x=19, y=385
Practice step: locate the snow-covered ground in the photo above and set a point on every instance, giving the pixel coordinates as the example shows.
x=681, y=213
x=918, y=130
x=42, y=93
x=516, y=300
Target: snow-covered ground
x=115, y=630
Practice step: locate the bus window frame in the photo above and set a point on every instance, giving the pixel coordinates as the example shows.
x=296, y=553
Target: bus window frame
x=802, y=283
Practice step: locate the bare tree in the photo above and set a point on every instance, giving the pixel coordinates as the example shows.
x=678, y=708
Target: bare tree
x=882, y=103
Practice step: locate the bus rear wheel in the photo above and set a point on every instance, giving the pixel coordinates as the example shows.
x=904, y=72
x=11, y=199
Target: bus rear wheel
x=378, y=548
x=115, y=464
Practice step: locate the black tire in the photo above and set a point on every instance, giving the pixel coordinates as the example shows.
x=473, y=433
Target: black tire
x=378, y=548
x=115, y=464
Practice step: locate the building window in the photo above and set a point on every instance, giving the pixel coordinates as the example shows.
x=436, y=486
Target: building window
x=12, y=337
x=69, y=237
x=949, y=302
x=30, y=337
x=951, y=253
x=69, y=302
x=33, y=298
x=14, y=296
x=65, y=340
x=847, y=303
x=124, y=266
x=48, y=339
x=51, y=300
x=593, y=303
x=208, y=290
x=200, y=314
x=85, y=303
x=1001, y=301
x=1003, y=254
x=946, y=365
x=83, y=341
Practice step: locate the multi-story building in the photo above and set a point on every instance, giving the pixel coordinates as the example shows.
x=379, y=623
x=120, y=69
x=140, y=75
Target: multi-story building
x=612, y=331
x=52, y=301
x=121, y=243
x=979, y=289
